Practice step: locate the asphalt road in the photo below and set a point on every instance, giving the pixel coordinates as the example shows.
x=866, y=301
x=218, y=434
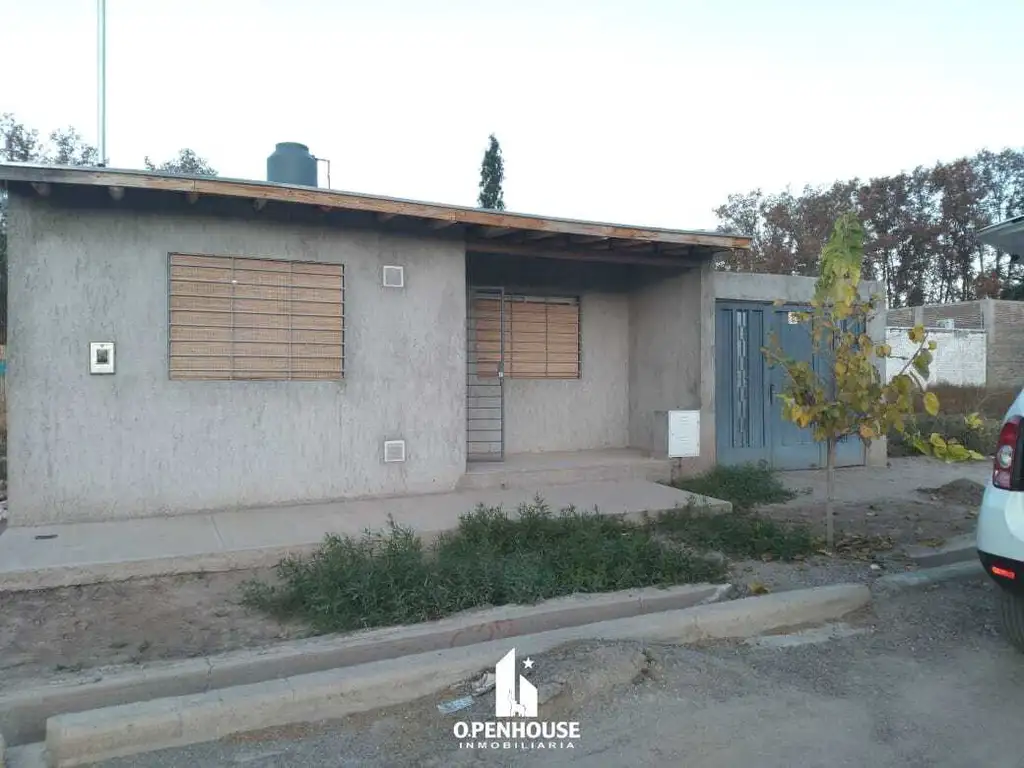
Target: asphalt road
x=922, y=680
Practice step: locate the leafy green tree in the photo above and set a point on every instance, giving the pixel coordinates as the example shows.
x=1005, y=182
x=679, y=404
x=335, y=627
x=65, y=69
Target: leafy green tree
x=492, y=174
x=186, y=162
x=850, y=396
x=65, y=146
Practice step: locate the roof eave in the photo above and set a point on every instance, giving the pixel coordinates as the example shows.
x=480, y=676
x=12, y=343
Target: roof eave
x=494, y=226
x=1006, y=236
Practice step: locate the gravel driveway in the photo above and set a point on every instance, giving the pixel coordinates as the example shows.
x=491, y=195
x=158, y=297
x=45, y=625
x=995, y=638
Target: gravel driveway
x=923, y=679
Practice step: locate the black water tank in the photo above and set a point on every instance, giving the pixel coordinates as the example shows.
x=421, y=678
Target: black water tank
x=292, y=163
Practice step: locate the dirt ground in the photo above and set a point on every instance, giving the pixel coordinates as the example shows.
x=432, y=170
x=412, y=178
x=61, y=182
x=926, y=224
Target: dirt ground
x=912, y=501
x=56, y=632
x=64, y=632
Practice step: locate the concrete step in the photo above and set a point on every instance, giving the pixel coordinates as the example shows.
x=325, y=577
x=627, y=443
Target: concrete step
x=497, y=475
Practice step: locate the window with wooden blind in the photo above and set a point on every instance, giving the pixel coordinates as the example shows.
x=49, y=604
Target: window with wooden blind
x=234, y=318
x=541, y=337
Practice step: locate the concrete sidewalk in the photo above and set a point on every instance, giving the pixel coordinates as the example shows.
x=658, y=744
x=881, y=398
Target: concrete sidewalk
x=84, y=553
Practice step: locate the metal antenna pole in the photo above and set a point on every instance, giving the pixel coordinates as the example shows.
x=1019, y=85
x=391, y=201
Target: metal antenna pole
x=101, y=76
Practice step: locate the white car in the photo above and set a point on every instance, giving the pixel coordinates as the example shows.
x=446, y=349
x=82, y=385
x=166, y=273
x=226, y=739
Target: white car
x=1000, y=539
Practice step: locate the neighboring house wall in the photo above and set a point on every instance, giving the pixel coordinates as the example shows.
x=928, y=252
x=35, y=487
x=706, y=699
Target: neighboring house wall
x=136, y=443
x=1006, y=344
x=578, y=414
x=959, y=357
x=965, y=315
x=901, y=318
x=1002, y=321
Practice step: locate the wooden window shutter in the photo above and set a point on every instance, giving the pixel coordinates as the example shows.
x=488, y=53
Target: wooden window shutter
x=235, y=318
x=541, y=337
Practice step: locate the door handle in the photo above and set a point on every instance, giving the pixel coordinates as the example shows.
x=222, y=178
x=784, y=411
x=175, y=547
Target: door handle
x=771, y=393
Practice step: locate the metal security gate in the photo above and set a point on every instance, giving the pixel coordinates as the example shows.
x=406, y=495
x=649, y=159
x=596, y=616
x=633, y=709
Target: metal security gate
x=485, y=362
x=749, y=424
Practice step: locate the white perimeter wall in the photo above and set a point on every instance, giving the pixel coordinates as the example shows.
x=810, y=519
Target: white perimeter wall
x=959, y=357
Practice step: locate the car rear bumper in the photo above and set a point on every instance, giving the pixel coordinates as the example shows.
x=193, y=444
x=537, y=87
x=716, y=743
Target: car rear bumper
x=1001, y=523
x=1008, y=574
x=1000, y=540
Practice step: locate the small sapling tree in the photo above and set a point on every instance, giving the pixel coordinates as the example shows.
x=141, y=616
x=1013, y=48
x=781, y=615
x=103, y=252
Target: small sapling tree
x=849, y=395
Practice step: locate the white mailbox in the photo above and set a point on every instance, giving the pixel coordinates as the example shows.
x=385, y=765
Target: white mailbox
x=683, y=434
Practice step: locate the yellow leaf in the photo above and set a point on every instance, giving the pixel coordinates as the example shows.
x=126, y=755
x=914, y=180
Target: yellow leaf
x=931, y=403
x=916, y=334
x=867, y=432
x=937, y=441
x=932, y=346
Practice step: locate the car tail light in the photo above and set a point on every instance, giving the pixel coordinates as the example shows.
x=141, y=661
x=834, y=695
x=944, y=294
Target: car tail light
x=1006, y=454
x=1006, y=573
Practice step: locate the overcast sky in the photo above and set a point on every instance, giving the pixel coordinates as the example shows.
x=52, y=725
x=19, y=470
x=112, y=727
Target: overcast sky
x=634, y=111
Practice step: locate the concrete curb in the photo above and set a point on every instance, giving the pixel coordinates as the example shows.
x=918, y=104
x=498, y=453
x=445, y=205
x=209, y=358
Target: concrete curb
x=956, y=550
x=3, y=752
x=926, y=576
x=23, y=713
x=84, y=737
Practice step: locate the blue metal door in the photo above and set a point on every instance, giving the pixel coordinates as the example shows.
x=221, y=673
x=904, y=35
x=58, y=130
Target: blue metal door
x=748, y=415
x=791, y=446
x=741, y=390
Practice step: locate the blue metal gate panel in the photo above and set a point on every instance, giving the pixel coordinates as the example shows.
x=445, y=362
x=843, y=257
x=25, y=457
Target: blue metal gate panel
x=740, y=400
x=748, y=416
x=791, y=446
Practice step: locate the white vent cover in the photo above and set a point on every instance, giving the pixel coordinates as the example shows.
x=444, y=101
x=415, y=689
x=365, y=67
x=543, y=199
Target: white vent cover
x=394, y=451
x=394, y=277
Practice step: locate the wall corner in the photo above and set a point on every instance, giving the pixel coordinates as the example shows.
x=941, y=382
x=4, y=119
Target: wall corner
x=708, y=446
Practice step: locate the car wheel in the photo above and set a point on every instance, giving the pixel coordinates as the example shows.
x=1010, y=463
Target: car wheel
x=1011, y=614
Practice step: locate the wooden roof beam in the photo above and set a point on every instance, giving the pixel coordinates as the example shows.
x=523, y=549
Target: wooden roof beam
x=441, y=224
x=495, y=232
x=519, y=249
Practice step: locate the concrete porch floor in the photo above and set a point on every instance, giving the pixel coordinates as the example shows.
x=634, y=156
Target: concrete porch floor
x=525, y=470
x=85, y=553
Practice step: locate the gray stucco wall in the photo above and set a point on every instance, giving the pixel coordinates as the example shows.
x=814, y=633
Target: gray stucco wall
x=671, y=341
x=86, y=447
x=578, y=414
